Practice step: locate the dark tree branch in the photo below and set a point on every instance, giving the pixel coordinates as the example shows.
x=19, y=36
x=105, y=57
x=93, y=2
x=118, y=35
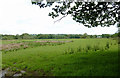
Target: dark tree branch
x=90, y=14
x=60, y=18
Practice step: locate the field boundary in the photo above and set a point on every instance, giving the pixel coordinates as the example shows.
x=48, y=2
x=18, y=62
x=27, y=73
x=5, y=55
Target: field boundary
x=0, y=60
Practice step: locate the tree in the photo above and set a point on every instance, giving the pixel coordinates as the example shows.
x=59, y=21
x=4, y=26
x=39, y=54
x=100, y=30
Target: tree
x=7, y=37
x=116, y=35
x=4, y=38
x=84, y=35
x=18, y=36
x=25, y=36
x=106, y=35
x=90, y=14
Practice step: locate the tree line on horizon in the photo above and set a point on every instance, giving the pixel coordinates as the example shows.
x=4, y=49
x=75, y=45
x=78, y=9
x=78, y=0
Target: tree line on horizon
x=56, y=36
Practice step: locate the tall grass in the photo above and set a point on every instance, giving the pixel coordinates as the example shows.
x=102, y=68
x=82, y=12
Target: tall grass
x=96, y=47
x=107, y=45
x=79, y=49
x=68, y=59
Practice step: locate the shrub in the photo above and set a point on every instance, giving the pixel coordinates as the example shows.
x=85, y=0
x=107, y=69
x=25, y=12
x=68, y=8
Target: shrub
x=96, y=47
x=79, y=49
x=118, y=41
x=102, y=49
x=107, y=45
x=88, y=47
x=86, y=50
x=71, y=51
x=111, y=43
x=25, y=46
x=65, y=51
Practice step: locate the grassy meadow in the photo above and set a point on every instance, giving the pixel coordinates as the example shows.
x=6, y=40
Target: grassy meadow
x=61, y=57
x=0, y=56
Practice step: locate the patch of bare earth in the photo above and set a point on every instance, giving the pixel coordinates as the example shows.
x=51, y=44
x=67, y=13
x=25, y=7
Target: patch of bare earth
x=16, y=46
x=13, y=46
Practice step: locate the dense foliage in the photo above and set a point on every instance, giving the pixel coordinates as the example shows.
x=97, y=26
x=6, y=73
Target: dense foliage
x=90, y=14
x=56, y=36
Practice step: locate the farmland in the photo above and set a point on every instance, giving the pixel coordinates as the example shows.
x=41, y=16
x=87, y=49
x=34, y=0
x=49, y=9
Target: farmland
x=61, y=57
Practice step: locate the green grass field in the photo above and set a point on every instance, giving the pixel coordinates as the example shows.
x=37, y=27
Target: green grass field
x=80, y=57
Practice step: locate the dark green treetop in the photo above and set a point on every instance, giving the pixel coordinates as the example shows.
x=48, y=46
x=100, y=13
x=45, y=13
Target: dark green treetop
x=90, y=14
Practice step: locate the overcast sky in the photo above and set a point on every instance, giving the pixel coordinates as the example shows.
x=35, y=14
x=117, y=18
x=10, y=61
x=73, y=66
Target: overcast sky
x=20, y=16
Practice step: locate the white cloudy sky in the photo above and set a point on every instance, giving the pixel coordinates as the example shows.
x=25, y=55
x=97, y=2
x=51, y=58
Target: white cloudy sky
x=20, y=16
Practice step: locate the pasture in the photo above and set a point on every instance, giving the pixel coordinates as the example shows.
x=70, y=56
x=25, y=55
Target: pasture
x=60, y=57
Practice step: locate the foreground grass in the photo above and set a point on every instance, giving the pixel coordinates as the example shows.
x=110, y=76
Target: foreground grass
x=58, y=60
x=0, y=60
